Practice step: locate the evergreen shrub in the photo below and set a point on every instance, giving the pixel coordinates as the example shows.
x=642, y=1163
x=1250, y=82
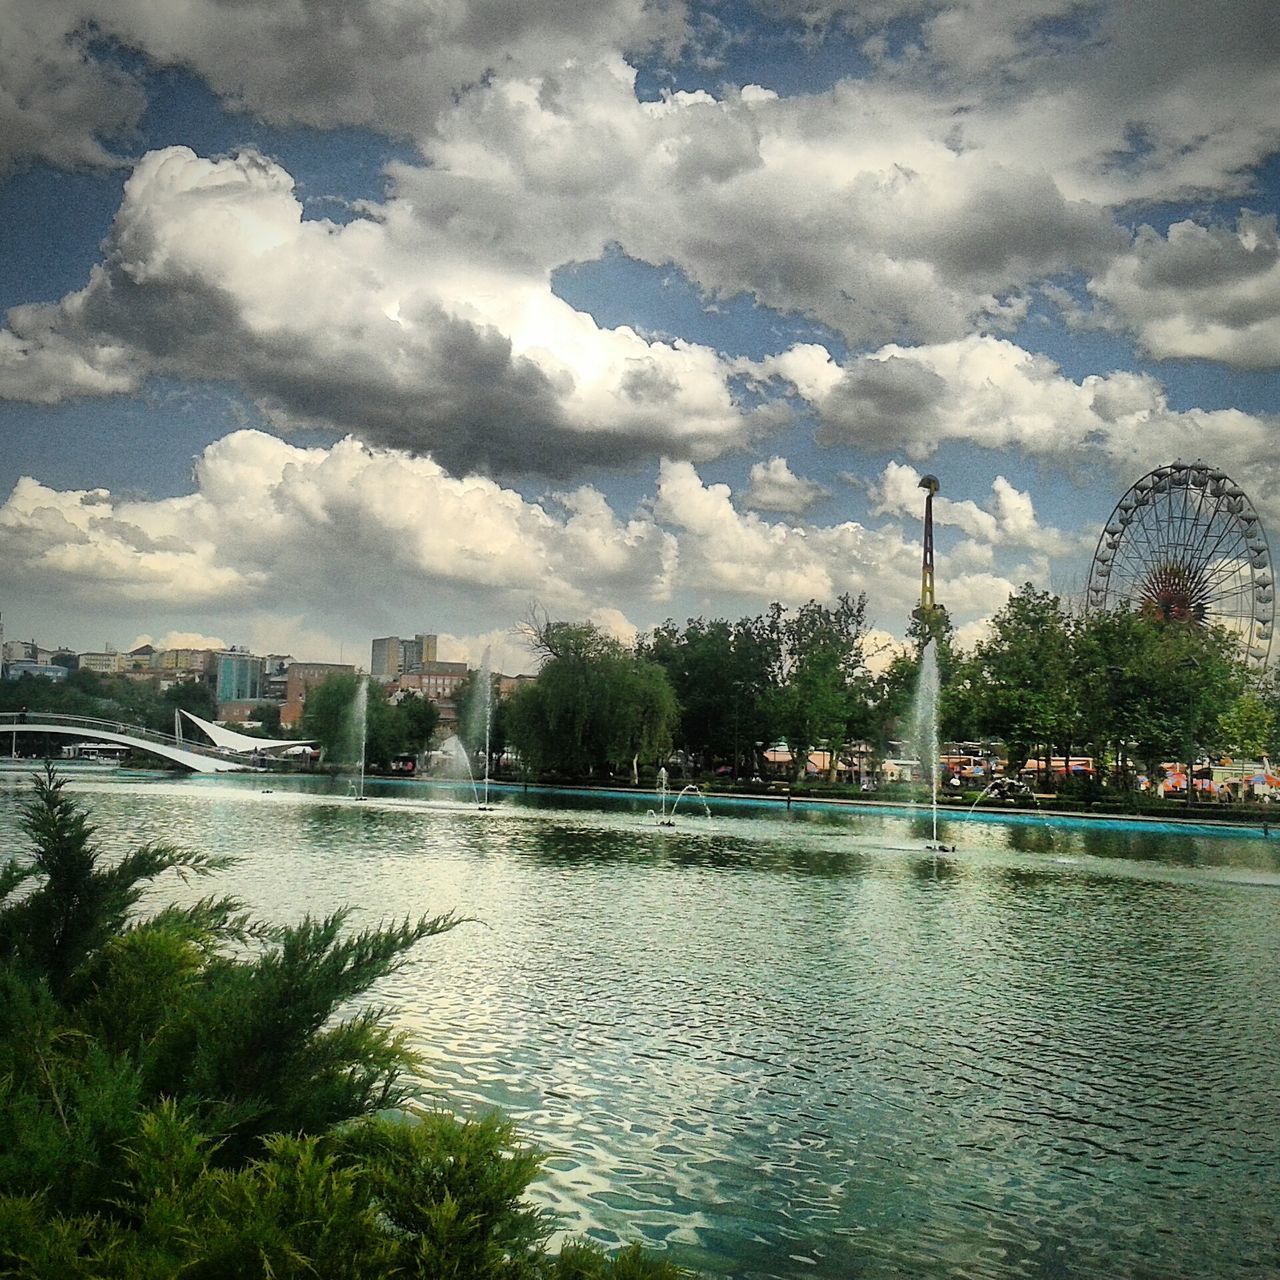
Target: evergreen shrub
x=193, y=1093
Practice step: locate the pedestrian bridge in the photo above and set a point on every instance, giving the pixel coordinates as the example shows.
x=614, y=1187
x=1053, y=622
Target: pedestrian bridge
x=190, y=755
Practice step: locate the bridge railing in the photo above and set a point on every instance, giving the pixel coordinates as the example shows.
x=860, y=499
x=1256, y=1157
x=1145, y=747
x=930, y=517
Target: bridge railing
x=93, y=725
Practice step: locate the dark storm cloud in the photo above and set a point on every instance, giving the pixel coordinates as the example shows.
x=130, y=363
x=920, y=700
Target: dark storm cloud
x=881, y=403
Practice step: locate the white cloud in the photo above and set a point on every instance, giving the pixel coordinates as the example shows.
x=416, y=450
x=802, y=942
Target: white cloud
x=730, y=556
x=276, y=530
x=775, y=487
x=978, y=157
x=992, y=393
x=1209, y=292
x=58, y=102
x=851, y=207
x=389, y=67
x=301, y=550
x=211, y=272
x=180, y=640
x=1008, y=521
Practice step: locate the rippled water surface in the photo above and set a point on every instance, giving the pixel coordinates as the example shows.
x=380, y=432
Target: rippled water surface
x=798, y=1044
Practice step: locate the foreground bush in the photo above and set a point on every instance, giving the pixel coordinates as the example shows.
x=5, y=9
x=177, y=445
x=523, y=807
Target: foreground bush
x=179, y=1095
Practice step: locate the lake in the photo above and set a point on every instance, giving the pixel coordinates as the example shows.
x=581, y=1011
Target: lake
x=783, y=1044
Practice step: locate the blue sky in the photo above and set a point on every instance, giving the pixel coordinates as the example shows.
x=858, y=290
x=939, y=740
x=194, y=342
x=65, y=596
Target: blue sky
x=635, y=310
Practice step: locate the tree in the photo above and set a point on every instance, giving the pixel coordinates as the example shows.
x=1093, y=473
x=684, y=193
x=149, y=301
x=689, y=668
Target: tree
x=1247, y=727
x=595, y=707
x=820, y=663
x=1154, y=689
x=197, y=697
x=722, y=674
x=328, y=716
x=419, y=717
x=193, y=1093
x=1024, y=669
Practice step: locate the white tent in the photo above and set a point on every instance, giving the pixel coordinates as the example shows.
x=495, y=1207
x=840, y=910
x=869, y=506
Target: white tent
x=241, y=742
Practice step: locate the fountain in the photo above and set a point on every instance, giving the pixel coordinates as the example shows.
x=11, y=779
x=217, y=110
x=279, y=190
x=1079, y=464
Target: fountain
x=359, y=722
x=925, y=721
x=483, y=703
x=460, y=758
x=662, y=817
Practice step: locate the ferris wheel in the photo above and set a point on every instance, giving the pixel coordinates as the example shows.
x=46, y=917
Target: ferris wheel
x=1186, y=545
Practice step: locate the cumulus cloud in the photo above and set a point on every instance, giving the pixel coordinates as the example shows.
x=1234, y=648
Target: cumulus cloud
x=59, y=103
x=1211, y=292
x=289, y=548
x=211, y=272
x=981, y=154
x=775, y=487
x=852, y=207
x=1121, y=102
x=179, y=640
x=276, y=530
x=995, y=394
x=1008, y=520
x=727, y=554
x=893, y=209
x=388, y=67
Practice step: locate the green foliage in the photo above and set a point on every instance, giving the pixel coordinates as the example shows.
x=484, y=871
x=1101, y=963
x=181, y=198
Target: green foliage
x=1024, y=672
x=327, y=716
x=794, y=675
x=330, y=718
x=454, y=1190
x=78, y=904
x=595, y=706
x=820, y=665
x=1154, y=690
x=86, y=693
x=418, y=717
x=194, y=1094
x=472, y=705
x=1248, y=726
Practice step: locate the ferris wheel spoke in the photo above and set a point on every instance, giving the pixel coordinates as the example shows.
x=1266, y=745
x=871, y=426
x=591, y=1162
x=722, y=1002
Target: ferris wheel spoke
x=1230, y=534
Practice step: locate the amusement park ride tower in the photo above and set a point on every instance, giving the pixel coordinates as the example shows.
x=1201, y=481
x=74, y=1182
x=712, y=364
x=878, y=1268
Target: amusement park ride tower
x=928, y=605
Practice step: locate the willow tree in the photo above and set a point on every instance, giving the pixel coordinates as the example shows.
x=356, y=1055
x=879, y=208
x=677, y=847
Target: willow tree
x=596, y=707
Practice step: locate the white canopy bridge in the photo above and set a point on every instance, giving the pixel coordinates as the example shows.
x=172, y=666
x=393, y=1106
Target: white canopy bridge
x=226, y=752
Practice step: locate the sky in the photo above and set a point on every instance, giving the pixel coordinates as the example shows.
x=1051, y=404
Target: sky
x=331, y=320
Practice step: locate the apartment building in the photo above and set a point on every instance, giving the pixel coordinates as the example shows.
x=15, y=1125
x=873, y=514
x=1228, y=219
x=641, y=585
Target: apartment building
x=390, y=656
x=299, y=678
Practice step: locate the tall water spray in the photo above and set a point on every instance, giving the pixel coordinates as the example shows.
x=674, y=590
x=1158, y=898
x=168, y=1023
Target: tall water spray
x=926, y=725
x=358, y=727
x=482, y=706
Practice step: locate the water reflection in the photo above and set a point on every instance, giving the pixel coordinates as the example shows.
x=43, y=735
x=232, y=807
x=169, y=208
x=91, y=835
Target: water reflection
x=802, y=1044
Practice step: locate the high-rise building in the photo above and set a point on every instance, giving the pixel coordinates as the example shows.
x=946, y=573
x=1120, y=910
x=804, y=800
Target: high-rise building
x=384, y=661
x=392, y=657
x=240, y=676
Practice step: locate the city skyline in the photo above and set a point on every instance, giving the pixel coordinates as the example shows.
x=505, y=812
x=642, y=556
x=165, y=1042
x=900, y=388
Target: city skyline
x=629, y=311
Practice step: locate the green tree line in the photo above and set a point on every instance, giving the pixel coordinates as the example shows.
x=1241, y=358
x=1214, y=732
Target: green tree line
x=1118, y=685
x=108, y=697
x=329, y=717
